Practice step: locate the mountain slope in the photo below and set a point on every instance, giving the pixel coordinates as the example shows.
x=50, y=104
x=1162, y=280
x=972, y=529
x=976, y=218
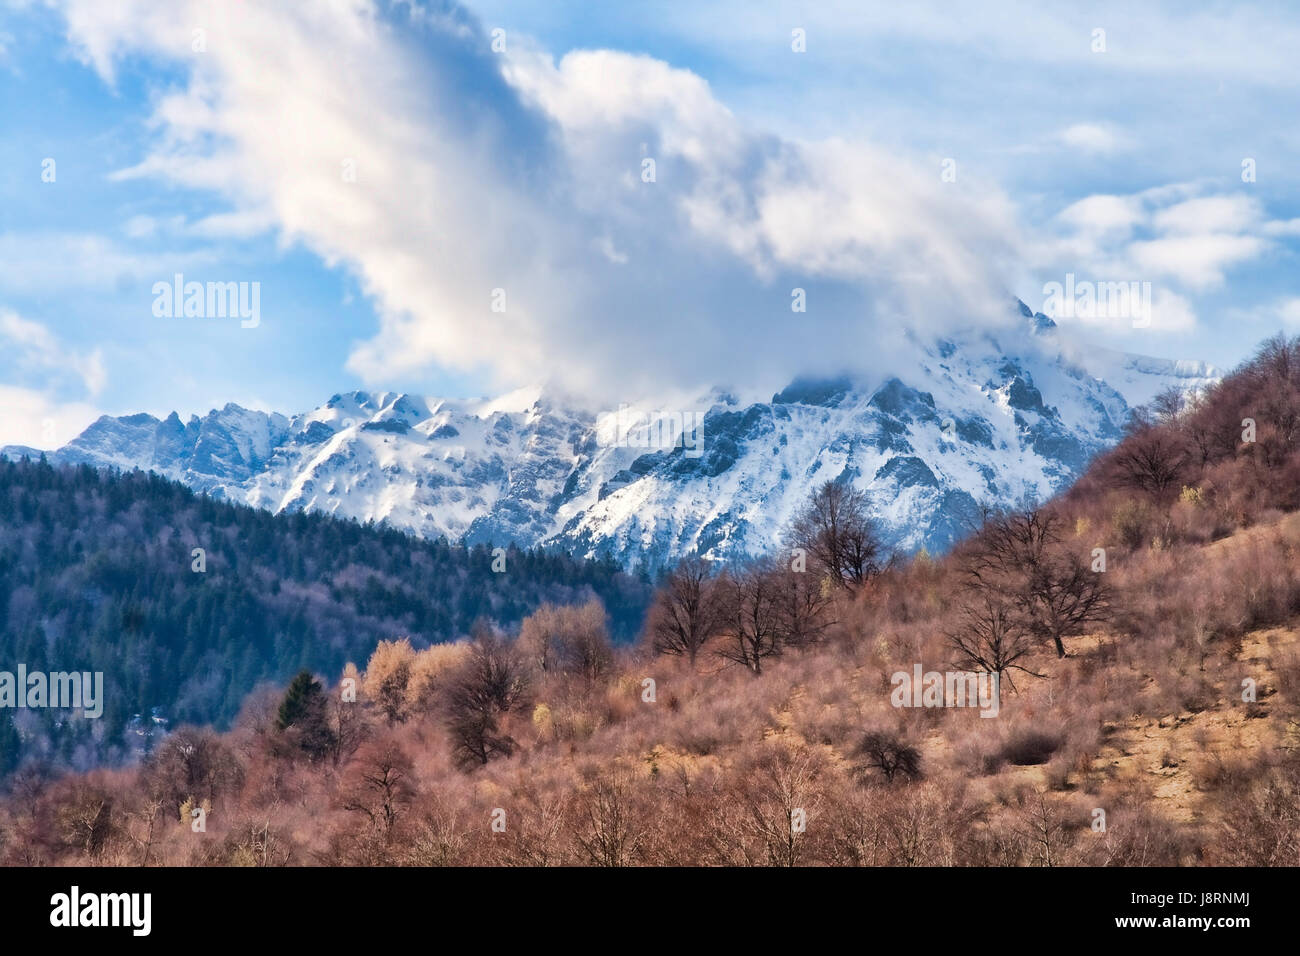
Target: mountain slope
x=98, y=572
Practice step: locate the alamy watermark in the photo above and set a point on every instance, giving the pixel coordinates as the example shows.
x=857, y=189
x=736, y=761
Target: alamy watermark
x=58, y=689
x=949, y=689
x=75, y=908
x=1084, y=299
x=631, y=428
x=208, y=300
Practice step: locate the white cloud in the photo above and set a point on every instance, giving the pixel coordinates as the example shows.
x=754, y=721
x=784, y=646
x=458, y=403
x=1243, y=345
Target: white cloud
x=31, y=417
x=1101, y=214
x=1171, y=312
x=1198, y=261
x=1287, y=227
x=1093, y=138
x=607, y=249
x=1209, y=214
x=1242, y=41
x=42, y=400
x=231, y=225
x=30, y=347
x=140, y=227
x=475, y=172
x=1181, y=238
x=1288, y=311
x=41, y=263
x=438, y=172
x=1283, y=312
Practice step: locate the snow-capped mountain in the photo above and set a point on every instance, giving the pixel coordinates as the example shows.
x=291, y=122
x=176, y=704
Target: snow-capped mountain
x=975, y=418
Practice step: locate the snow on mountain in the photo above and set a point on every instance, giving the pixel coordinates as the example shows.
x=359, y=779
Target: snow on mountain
x=981, y=417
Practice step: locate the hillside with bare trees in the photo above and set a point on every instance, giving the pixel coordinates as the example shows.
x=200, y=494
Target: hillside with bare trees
x=1116, y=681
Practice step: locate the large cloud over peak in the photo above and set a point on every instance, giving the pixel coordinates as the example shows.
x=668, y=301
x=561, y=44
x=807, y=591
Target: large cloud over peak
x=477, y=171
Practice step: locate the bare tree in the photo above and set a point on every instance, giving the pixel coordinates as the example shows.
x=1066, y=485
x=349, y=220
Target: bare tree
x=923, y=826
x=1020, y=558
x=837, y=533
x=991, y=635
x=1006, y=546
x=539, y=836
x=143, y=815
x=1169, y=405
x=259, y=844
x=348, y=728
x=890, y=755
x=1153, y=459
x=85, y=817
x=755, y=617
x=1275, y=391
x=476, y=736
x=687, y=611
x=771, y=818
x=1042, y=825
x=192, y=763
x=493, y=674
x=1206, y=438
x=379, y=785
x=609, y=834
x=1063, y=596
x=804, y=605
x=441, y=833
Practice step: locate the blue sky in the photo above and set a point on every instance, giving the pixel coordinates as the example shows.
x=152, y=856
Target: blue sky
x=215, y=140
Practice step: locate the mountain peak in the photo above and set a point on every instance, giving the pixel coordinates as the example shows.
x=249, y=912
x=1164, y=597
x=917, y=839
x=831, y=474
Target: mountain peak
x=971, y=421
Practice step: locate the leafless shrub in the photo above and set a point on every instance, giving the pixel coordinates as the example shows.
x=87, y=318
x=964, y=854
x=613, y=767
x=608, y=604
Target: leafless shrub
x=890, y=756
x=778, y=796
x=192, y=764
x=1028, y=747
x=609, y=829
x=568, y=640
x=1261, y=820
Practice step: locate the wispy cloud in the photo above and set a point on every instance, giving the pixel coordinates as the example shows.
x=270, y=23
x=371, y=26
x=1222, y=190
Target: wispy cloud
x=44, y=401
x=40, y=263
x=1177, y=237
x=32, y=348
x=1093, y=138
x=1282, y=313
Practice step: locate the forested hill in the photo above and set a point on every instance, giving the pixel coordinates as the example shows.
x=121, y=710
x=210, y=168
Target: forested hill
x=97, y=573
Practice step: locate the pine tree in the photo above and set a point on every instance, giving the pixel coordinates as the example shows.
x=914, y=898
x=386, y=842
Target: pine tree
x=303, y=716
x=9, y=745
x=299, y=701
